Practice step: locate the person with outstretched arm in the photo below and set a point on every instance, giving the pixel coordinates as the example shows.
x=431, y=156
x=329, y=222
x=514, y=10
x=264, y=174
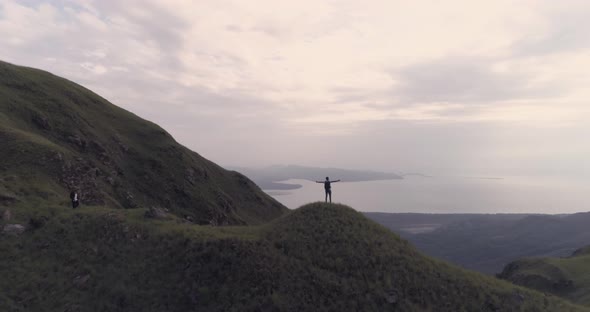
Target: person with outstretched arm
x=328, y=187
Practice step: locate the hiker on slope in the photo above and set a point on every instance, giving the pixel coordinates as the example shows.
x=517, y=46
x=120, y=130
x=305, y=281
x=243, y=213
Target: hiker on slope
x=75, y=197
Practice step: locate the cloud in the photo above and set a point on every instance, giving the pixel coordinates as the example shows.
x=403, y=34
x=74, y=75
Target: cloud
x=466, y=80
x=298, y=78
x=563, y=31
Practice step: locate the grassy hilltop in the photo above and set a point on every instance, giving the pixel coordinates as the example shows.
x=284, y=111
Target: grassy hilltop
x=566, y=277
x=320, y=257
x=57, y=135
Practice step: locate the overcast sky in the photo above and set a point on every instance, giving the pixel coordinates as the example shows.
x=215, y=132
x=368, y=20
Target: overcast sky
x=465, y=87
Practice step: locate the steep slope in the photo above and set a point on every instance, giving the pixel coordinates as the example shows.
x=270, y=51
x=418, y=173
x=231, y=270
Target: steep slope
x=566, y=277
x=56, y=136
x=320, y=257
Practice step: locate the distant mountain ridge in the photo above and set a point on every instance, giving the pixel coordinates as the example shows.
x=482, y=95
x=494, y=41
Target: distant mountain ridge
x=57, y=135
x=486, y=243
x=268, y=177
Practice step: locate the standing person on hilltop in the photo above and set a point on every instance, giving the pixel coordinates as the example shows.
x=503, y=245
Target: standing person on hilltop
x=328, y=187
x=75, y=197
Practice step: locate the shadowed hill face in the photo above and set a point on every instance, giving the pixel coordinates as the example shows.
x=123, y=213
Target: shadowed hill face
x=57, y=136
x=321, y=257
x=566, y=277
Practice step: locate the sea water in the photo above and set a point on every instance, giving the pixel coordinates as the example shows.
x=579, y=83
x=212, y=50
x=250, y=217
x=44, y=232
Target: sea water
x=450, y=195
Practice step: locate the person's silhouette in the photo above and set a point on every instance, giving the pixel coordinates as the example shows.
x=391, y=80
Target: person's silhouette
x=75, y=197
x=328, y=187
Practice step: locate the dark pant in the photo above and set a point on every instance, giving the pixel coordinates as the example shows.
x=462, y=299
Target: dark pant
x=328, y=193
x=75, y=204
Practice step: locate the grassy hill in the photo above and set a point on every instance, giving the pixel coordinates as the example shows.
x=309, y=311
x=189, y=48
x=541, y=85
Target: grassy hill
x=56, y=135
x=566, y=277
x=320, y=257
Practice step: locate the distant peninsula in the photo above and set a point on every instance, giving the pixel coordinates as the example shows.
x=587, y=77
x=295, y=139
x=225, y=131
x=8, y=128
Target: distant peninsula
x=268, y=177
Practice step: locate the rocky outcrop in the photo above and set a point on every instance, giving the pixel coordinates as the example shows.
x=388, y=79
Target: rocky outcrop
x=77, y=141
x=41, y=121
x=156, y=213
x=6, y=215
x=80, y=281
x=84, y=176
x=13, y=229
x=6, y=199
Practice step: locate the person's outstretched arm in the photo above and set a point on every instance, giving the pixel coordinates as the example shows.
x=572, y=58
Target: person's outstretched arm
x=335, y=181
x=319, y=181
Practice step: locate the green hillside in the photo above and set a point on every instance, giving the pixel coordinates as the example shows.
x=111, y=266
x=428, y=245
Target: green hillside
x=56, y=135
x=566, y=277
x=320, y=257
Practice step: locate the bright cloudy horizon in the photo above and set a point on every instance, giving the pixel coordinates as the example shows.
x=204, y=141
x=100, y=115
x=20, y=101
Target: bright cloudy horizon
x=483, y=87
